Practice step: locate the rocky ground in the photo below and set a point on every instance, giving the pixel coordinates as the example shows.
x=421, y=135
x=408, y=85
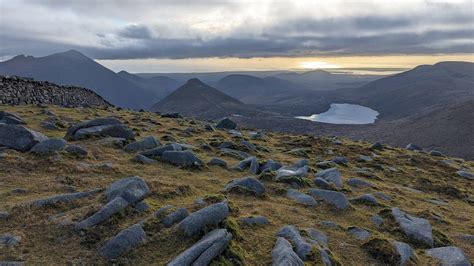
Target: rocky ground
x=80, y=187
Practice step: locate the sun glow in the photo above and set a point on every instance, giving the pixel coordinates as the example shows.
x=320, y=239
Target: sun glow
x=317, y=65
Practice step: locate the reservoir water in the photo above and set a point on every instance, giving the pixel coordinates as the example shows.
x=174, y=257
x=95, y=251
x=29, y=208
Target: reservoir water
x=344, y=113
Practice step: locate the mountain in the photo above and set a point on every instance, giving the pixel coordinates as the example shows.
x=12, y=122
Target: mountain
x=255, y=90
x=160, y=86
x=74, y=68
x=196, y=99
x=419, y=91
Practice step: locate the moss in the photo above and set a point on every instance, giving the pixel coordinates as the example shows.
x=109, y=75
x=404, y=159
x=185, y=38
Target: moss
x=152, y=226
x=267, y=176
x=382, y=250
x=233, y=227
x=234, y=254
x=214, y=198
x=440, y=239
x=233, y=208
x=300, y=181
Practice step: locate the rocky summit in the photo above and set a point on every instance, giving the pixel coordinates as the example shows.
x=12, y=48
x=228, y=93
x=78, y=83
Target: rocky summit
x=125, y=187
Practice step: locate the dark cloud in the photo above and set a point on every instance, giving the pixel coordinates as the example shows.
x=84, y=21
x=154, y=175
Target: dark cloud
x=135, y=32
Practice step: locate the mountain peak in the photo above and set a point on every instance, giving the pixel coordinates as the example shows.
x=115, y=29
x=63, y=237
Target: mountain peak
x=74, y=54
x=195, y=82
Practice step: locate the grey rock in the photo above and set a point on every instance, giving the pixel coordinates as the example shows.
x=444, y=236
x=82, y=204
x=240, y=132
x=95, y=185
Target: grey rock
x=4, y=215
x=240, y=155
x=235, y=133
x=359, y=233
x=449, y=256
x=218, y=162
x=337, y=199
x=227, y=145
x=292, y=234
x=318, y=236
x=212, y=214
x=404, y=251
x=10, y=119
x=292, y=172
x=205, y=250
x=382, y=196
x=247, y=184
x=250, y=162
x=91, y=123
x=172, y=115
x=283, y=254
x=12, y=263
x=301, y=198
x=467, y=237
x=331, y=175
x=175, y=217
x=49, y=146
x=413, y=147
x=377, y=220
x=116, y=131
x=377, y=146
x=329, y=224
x=319, y=182
x=142, y=206
x=181, y=158
x=117, y=143
x=270, y=165
x=114, y=206
x=143, y=159
x=226, y=123
x=359, y=183
x=436, y=153
x=366, y=199
x=123, y=242
x=365, y=158
x=254, y=220
x=77, y=151
x=65, y=198
x=142, y=145
x=300, y=163
x=248, y=145
x=158, y=152
x=340, y=160
x=9, y=240
x=131, y=189
x=465, y=174
x=326, y=164
x=160, y=212
x=417, y=229
x=19, y=137
x=49, y=125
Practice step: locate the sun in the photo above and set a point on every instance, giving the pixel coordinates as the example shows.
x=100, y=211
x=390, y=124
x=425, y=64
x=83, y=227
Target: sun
x=317, y=65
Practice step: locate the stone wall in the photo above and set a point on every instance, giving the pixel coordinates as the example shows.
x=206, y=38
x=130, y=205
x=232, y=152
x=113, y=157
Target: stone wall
x=17, y=90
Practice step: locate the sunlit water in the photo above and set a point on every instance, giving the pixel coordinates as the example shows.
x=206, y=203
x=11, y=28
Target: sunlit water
x=344, y=113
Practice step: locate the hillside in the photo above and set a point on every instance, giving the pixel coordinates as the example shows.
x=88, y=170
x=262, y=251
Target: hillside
x=160, y=86
x=41, y=229
x=196, y=99
x=74, y=68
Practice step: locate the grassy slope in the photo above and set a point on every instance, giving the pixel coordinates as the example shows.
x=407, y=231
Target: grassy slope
x=47, y=243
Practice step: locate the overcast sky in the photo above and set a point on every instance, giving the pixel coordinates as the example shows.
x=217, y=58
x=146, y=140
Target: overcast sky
x=173, y=29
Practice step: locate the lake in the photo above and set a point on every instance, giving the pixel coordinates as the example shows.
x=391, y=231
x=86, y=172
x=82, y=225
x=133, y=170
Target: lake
x=344, y=113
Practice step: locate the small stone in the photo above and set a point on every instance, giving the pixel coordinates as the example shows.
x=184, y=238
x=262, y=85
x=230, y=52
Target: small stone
x=331, y=175
x=377, y=220
x=417, y=229
x=405, y=252
x=337, y=199
x=359, y=183
x=218, y=162
x=436, y=153
x=283, y=254
x=175, y=217
x=181, y=158
x=413, y=147
x=77, y=151
x=142, y=206
x=226, y=123
x=4, y=215
x=359, y=233
x=254, y=221
x=132, y=189
x=123, y=242
x=377, y=146
x=9, y=240
x=246, y=184
x=143, y=159
x=364, y=158
x=301, y=197
x=340, y=160
x=142, y=145
x=449, y=256
x=367, y=199
x=465, y=174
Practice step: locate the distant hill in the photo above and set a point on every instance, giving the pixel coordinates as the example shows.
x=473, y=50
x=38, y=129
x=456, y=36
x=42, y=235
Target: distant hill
x=419, y=91
x=196, y=99
x=160, y=86
x=74, y=68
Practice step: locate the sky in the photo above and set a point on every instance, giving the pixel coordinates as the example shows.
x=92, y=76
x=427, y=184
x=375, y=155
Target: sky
x=202, y=36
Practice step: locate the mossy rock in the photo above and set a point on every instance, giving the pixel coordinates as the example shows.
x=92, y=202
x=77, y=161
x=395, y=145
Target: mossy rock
x=382, y=250
x=214, y=198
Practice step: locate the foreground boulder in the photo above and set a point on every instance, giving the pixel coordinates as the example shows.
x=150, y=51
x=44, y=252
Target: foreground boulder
x=132, y=189
x=417, y=229
x=337, y=199
x=209, y=215
x=49, y=146
x=142, y=145
x=182, y=158
x=10, y=119
x=204, y=251
x=449, y=256
x=19, y=137
x=100, y=127
x=123, y=242
x=246, y=185
x=226, y=123
x=283, y=254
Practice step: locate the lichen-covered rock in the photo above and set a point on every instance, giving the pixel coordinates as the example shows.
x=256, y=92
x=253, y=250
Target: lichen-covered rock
x=132, y=189
x=111, y=208
x=284, y=172
x=449, y=256
x=65, y=198
x=142, y=145
x=337, y=199
x=417, y=229
x=19, y=138
x=212, y=214
x=283, y=254
x=301, y=198
x=205, y=250
x=182, y=158
x=49, y=146
x=246, y=184
x=123, y=242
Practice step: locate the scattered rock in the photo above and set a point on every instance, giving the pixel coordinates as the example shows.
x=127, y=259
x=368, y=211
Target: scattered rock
x=270, y=165
x=4, y=215
x=142, y=206
x=367, y=199
x=359, y=183
x=301, y=197
x=212, y=214
x=340, y=160
x=65, y=198
x=158, y=152
x=132, y=189
x=76, y=151
x=100, y=127
x=464, y=173
x=302, y=248
x=377, y=220
x=283, y=254
x=254, y=221
x=337, y=199
x=417, y=229
x=436, y=153
x=9, y=240
x=326, y=164
x=382, y=196
x=284, y=172
x=467, y=237
x=117, y=143
x=331, y=175
x=143, y=159
x=181, y=158
x=218, y=162
x=142, y=145
x=319, y=236
x=405, y=252
x=359, y=233
x=246, y=185
x=11, y=119
x=116, y=205
x=413, y=147
x=49, y=146
x=377, y=146
x=123, y=242
x=172, y=115
x=19, y=137
x=205, y=250
x=329, y=224
x=365, y=158
x=175, y=217
x=226, y=123
x=250, y=162
x=449, y=256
